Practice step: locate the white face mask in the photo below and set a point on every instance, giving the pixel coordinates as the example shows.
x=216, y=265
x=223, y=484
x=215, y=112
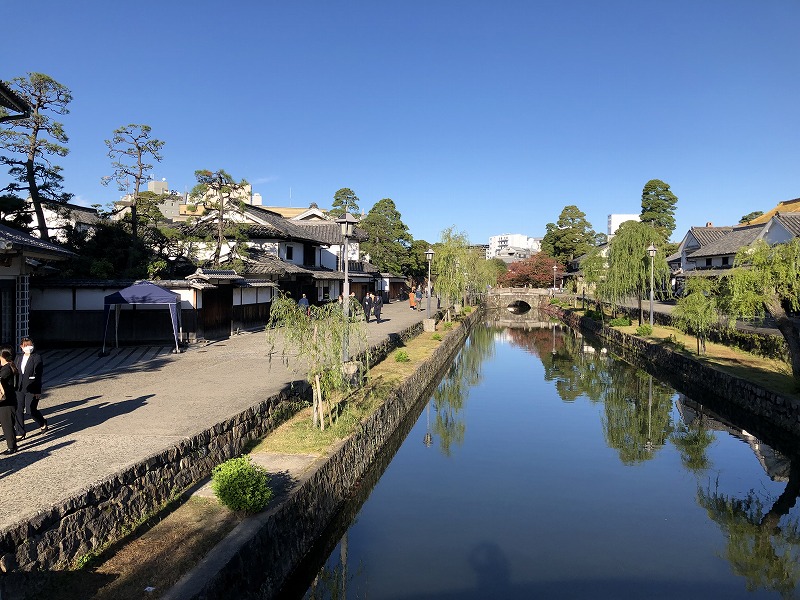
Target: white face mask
x=27, y=349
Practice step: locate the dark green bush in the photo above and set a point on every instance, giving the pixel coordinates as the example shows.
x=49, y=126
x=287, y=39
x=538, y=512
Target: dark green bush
x=241, y=486
x=619, y=322
x=593, y=314
x=644, y=330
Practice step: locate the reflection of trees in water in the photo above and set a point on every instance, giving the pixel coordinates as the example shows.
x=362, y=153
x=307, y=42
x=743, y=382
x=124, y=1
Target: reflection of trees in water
x=637, y=413
x=766, y=554
x=637, y=408
x=693, y=435
x=449, y=397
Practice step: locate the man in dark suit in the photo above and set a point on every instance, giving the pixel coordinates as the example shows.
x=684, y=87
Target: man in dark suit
x=29, y=387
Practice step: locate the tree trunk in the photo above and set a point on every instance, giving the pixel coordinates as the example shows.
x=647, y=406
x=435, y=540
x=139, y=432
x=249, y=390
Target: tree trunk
x=790, y=332
x=641, y=309
x=36, y=199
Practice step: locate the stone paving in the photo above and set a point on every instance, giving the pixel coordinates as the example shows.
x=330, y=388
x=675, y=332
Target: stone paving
x=107, y=413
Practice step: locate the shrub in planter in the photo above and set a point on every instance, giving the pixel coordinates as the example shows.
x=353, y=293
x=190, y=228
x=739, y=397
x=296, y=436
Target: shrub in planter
x=402, y=356
x=644, y=330
x=241, y=486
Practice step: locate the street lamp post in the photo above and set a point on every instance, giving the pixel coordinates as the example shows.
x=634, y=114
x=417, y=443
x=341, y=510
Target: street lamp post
x=651, y=251
x=429, y=256
x=555, y=268
x=347, y=222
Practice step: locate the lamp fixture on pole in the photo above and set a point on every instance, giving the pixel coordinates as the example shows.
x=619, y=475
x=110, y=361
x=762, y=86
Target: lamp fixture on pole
x=555, y=268
x=429, y=256
x=347, y=223
x=651, y=251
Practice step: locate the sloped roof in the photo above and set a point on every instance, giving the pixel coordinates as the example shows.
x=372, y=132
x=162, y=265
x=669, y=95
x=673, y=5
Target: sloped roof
x=707, y=235
x=730, y=243
x=330, y=232
x=277, y=226
x=791, y=222
x=13, y=239
x=11, y=100
x=787, y=206
x=206, y=274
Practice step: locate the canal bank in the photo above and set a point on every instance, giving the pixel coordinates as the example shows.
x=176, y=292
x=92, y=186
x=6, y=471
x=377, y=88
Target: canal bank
x=127, y=436
x=684, y=372
x=264, y=550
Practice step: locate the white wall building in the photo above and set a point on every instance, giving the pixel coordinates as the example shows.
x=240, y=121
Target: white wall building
x=499, y=243
x=614, y=221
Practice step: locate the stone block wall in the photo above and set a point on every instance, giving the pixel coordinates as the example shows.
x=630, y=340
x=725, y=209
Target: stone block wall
x=106, y=511
x=269, y=556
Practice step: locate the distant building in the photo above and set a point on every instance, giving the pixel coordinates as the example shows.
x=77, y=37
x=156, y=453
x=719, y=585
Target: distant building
x=170, y=205
x=498, y=244
x=614, y=221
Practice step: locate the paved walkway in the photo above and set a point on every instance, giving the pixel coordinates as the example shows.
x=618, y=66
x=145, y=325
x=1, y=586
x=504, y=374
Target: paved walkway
x=107, y=413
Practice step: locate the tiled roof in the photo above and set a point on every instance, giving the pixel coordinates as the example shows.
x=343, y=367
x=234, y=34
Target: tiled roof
x=255, y=283
x=206, y=274
x=325, y=274
x=11, y=100
x=81, y=214
x=791, y=221
x=707, y=235
x=277, y=226
x=330, y=232
x=730, y=243
x=18, y=240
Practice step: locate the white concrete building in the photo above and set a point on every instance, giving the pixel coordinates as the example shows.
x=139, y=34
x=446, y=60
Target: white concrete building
x=615, y=220
x=499, y=243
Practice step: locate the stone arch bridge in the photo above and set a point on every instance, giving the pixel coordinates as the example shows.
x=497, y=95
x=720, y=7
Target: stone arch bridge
x=507, y=297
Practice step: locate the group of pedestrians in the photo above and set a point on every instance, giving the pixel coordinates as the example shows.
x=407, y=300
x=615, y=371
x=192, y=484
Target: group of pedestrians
x=20, y=389
x=373, y=304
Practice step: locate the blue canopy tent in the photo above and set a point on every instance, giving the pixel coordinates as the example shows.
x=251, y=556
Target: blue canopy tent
x=143, y=292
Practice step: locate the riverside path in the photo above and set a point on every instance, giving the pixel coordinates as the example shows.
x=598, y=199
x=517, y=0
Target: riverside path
x=105, y=414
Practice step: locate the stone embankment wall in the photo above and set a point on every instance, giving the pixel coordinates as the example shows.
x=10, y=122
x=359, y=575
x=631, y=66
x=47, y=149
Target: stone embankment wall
x=781, y=411
x=265, y=560
x=106, y=511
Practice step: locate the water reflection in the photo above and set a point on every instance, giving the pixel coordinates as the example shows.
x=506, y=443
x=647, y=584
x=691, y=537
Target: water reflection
x=470, y=526
x=448, y=399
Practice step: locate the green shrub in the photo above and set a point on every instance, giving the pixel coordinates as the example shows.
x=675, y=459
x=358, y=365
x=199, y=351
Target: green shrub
x=593, y=314
x=467, y=310
x=447, y=326
x=436, y=337
x=644, y=330
x=241, y=486
x=402, y=356
x=619, y=322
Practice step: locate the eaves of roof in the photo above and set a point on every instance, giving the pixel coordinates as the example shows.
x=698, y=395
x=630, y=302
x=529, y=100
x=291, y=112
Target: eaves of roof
x=12, y=240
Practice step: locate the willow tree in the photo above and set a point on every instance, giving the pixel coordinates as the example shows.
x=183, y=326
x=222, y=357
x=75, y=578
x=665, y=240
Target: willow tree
x=628, y=273
x=31, y=140
x=316, y=337
x=766, y=279
x=450, y=266
x=696, y=311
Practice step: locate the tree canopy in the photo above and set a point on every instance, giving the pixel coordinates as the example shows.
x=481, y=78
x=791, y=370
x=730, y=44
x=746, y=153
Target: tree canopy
x=570, y=237
x=750, y=216
x=628, y=274
x=28, y=142
x=128, y=150
x=222, y=198
x=389, y=240
x=767, y=279
x=536, y=271
x=344, y=200
x=658, y=209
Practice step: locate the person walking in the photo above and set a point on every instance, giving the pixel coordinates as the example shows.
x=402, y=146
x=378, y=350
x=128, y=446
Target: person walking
x=419, y=298
x=412, y=301
x=29, y=386
x=303, y=303
x=367, y=304
x=8, y=400
x=377, y=306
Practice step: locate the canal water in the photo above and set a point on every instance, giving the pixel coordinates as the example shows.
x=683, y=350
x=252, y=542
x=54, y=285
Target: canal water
x=544, y=467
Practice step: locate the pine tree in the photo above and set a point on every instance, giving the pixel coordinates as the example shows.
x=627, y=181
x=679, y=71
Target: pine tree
x=658, y=209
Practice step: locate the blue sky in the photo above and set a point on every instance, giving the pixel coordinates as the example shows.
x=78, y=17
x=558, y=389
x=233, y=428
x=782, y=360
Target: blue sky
x=489, y=116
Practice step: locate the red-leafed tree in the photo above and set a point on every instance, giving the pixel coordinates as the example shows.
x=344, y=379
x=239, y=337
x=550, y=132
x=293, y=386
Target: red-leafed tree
x=536, y=271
